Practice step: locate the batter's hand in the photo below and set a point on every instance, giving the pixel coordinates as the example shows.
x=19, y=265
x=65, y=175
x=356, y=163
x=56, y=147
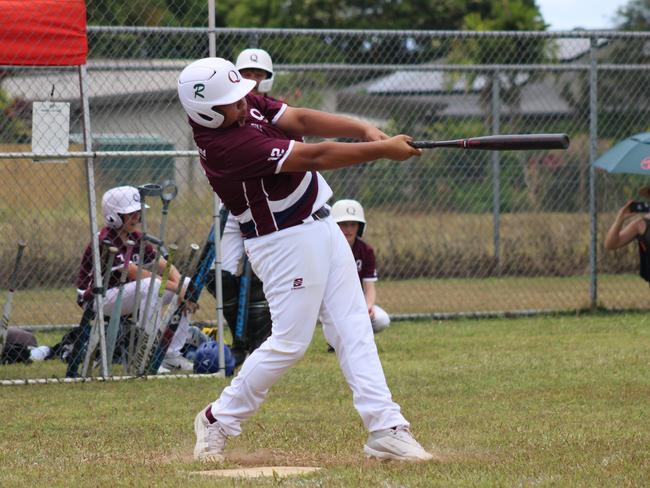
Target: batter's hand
x=399, y=149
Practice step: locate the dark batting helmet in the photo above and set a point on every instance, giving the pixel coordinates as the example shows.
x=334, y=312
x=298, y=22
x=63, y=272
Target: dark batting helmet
x=207, y=359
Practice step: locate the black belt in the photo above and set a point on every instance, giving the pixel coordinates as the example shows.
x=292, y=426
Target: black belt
x=248, y=229
x=321, y=213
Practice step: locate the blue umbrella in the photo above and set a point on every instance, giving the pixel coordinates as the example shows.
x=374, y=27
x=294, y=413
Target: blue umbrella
x=631, y=155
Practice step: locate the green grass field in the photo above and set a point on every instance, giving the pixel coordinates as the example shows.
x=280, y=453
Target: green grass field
x=41, y=306
x=544, y=401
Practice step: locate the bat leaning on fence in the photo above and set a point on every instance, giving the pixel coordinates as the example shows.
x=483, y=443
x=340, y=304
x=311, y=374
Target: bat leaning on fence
x=505, y=142
x=116, y=314
x=79, y=349
x=167, y=193
x=149, y=331
x=6, y=311
x=95, y=337
x=194, y=248
x=144, y=191
x=175, y=311
x=192, y=294
x=85, y=324
x=244, y=298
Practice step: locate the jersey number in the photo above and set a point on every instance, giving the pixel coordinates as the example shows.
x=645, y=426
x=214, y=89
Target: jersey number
x=276, y=153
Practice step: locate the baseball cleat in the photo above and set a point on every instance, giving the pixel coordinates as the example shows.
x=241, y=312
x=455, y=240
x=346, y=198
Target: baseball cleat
x=162, y=370
x=210, y=439
x=396, y=443
x=178, y=362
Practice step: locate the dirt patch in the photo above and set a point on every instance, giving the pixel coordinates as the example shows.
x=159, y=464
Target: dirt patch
x=271, y=457
x=258, y=472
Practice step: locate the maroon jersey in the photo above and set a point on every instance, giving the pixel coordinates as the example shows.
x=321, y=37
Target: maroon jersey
x=86, y=276
x=243, y=167
x=364, y=256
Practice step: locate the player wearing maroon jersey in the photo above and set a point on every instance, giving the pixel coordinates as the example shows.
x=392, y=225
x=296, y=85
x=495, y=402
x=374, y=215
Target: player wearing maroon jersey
x=256, y=65
x=351, y=219
x=271, y=183
x=121, y=208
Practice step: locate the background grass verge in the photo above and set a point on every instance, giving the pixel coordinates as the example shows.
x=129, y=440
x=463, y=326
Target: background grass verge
x=544, y=401
x=46, y=306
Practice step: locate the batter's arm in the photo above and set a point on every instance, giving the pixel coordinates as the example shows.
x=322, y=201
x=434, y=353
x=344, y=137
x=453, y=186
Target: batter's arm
x=331, y=155
x=308, y=122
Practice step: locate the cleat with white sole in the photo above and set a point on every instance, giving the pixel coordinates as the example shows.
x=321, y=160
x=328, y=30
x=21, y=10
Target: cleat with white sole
x=210, y=439
x=397, y=444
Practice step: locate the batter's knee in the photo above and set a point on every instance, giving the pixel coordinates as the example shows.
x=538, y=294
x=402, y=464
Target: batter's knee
x=295, y=350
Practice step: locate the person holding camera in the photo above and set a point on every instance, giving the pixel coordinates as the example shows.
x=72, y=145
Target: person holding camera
x=633, y=222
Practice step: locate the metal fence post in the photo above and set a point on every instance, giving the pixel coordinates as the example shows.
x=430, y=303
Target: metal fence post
x=593, y=149
x=92, y=211
x=496, y=174
x=216, y=205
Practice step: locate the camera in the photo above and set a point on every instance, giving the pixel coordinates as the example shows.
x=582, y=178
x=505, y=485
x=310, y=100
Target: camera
x=640, y=207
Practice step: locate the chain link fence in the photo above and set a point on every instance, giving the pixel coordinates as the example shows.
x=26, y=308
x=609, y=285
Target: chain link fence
x=455, y=232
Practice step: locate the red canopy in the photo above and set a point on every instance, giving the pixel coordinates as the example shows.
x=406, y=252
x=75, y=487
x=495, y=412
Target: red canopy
x=43, y=32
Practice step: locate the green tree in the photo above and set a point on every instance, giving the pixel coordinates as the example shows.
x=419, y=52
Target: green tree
x=346, y=14
x=635, y=16
x=313, y=14
x=624, y=108
x=12, y=126
x=173, y=13
x=384, y=14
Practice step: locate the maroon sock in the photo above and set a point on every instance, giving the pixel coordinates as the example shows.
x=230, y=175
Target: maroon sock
x=209, y=416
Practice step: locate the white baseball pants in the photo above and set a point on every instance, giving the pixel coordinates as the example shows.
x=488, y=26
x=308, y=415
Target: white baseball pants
x=308, y=271
x=128, y=304
x=232, y=246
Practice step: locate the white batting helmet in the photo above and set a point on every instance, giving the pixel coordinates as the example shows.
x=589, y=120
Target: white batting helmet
x=349, y=211
x=120, y=201
x=207, y=83
x=258, y=59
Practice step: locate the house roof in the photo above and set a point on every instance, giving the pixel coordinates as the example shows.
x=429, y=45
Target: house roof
x=409, y=82
x=540, y=97
x=106, y=80
x=152, y=80
x=450, y=93
x=568, y=49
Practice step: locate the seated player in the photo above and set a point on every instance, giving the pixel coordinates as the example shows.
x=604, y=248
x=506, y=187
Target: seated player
x=349, y=215
x=121, y=208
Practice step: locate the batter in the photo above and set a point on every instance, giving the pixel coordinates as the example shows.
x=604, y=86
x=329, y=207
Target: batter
x=272, y=185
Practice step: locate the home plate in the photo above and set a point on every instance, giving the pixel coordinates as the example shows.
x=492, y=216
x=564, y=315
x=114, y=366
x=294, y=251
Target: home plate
x=280, y=471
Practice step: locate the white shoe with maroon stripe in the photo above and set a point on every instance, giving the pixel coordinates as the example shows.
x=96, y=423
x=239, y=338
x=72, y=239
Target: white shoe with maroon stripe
x=397, y=443
x=210, y=438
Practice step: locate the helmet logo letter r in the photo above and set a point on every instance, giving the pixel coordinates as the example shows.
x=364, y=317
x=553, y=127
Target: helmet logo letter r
x=198, y=88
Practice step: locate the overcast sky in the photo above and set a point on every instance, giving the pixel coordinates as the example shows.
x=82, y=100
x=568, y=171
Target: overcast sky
x=589, y=14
